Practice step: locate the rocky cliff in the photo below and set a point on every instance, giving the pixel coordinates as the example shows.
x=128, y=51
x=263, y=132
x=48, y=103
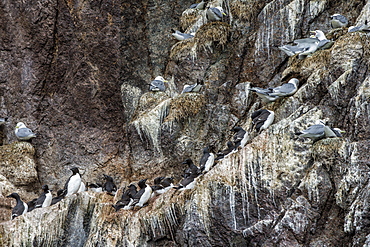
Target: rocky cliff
x=77, y=73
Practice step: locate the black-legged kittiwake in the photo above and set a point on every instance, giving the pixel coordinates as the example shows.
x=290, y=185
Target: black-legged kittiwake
x=158, y=84
x=262, y=119
x=215, y=14
x=307, y=46
x=338, y=21
x=22, y=132
x=182, y=36
x=332, y=132
x=359, y=28
x=200, y=5
x=314, y=132
x=272, y=94
x=192, y=88
x=20, y=208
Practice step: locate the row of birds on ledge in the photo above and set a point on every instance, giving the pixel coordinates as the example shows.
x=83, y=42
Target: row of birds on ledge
x=261, y=119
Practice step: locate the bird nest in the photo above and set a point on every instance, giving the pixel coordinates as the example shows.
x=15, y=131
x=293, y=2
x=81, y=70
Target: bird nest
x=212, y=32
x=185, y=105
x=183, y=49
x=149, y=101
x=188, y=18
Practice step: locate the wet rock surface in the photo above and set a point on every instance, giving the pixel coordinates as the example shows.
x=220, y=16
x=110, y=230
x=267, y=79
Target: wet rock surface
x=77, y=73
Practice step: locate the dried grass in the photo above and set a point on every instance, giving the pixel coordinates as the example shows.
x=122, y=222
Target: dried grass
x=185, y=105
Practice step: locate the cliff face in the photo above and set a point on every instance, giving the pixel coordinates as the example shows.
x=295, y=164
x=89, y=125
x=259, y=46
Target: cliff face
x=77, y=73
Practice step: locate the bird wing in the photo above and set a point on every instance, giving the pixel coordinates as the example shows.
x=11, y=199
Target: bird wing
x=40, y=200
x=157, y=84
x=284, y=89
x=24, y=132
x=316, y=129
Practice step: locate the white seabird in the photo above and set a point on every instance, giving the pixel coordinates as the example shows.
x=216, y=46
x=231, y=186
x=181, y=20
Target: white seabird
x=308, y=46
x=200, y=5
x=215, y=14
x=338, y=21
x=158, y=84
x=22, y=132
x=272, y=94
x=359, y=28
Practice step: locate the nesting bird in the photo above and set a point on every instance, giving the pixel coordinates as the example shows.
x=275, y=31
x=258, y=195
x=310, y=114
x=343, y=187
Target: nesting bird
x=192, y=169
x=215, y=14
x=96, y=187
x=187, y=183
x=20, y=208
x=338, y=21
x=359, y=28
x=73, y=183
x=272, y=94
x=23, y=133
x=199, y=6
x=320, y=131
x=126, y=201
x=58, y=198
x=161, y=185
x=262, y=119
x=158, y=84
x=182, y=36
x=191, y=88
x=45, y=198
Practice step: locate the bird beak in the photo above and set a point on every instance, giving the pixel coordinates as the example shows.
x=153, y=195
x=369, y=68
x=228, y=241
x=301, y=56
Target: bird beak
x=165, y=81
x=224, y=13
x=343, y=131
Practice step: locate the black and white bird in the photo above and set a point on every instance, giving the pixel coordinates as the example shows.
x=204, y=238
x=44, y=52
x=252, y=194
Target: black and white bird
x=262, y=119
x=96, y=187
x=20, y=208
x=73, y=183
x=182, y=36
x=82, y=187
x=58, y=198
x=158, y=84
x=272, y=94
x=23, y=133
x=224, y=153
x=109, y=185
x=31, y=205
x=338, y=21
x=207, y=160
x=240, y=137
x=187, y=183
x=143, y=195
x=161, y=185
x=45, y=198
x=192, y=169
x=126, y=201
x=215, y=14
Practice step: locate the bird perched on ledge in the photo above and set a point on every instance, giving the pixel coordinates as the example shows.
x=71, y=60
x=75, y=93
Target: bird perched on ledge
x=338, y=21
x=158, y=84
x=20, y=208
x=215, y=14
x=23, y=133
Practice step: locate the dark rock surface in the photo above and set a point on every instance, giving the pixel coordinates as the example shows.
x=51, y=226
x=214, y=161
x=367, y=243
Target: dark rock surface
x=77, y=73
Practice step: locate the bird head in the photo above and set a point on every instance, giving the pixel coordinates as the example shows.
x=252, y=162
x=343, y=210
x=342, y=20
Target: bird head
x=20, y=125
x=160, y=78
x=13, y=195
x=75, y=170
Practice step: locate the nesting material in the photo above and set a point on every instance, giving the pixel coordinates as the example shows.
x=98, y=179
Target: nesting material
x=212, y=33
x=183, y=49
x=188, y=18
x=185, y=105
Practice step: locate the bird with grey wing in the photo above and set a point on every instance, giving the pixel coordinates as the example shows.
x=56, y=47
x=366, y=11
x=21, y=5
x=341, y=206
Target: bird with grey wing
x=215, y=14
x=23, y=133
x=307, y=46
x=359, y=28
x=182, y=36
x=338, y=21
x=158, y=84
x=320, y=131
x=272, y=94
